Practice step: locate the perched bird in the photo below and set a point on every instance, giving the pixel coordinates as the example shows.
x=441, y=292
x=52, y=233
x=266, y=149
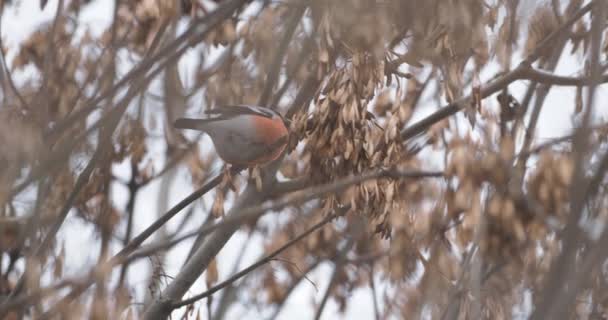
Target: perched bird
x=242, y=135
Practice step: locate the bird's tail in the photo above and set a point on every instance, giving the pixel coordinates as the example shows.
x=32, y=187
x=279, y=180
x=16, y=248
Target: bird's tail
x=194, y=124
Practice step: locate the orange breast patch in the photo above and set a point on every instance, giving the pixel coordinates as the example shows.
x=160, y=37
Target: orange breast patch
x=269, y=130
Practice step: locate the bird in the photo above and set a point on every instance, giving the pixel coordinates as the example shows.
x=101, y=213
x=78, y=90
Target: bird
x=242, y=135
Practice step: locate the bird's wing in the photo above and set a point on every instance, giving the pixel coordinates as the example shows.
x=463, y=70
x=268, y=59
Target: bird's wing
x=236, y=110
x=193, y=124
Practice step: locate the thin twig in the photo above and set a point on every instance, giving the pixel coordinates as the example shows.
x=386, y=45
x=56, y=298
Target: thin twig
x=139, y=239
x=496, y=85
x=555, y=141
x=238, y=216
x=7, y=72
x=292, y=287
x=133, y=187
x=554, y=300
x=254, y=266
x=48, y=62
x=339, y=264
x=275, y=68
x=539, y=49
x=372, y=284
x=310, y=193
x=62, y=153
x=301, y=59
x=121, y=257
x=165, y=56
x=230, y=291
x=541, y=94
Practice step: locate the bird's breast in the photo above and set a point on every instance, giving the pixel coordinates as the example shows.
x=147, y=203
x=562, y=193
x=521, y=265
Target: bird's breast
x=269, y=130
x=247, y=140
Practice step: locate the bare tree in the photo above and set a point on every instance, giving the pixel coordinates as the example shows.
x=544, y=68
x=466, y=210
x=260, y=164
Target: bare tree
x=414, y=167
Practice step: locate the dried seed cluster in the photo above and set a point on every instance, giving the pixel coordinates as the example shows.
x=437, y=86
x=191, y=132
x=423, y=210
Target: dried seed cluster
x=342, y=138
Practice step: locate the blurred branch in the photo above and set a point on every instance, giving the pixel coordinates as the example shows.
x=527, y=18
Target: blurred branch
x=458, y=290
x=105, y=141
x=541, y=94
x=554, y=141
x=551, y=64
x=209, y=249
x=519, y=73
x=557, y=33
x=252, y=213
x=133, y=187
x=304, y=96
x=254, y=266
x=284, y=187
x=302, y=57
x=522, y=72
x=33, y=297
x=122, y=256
x=556, y=296
x=159, y=60
x=203, y=255
x=175, y=159
x=175, y=104
x=339, y=264
x=230, y=291
x=63, y=152
x=451, y=109
x=275, y=68
x=238, y=216
x=200, y=236
x=5, y=68
x=292, y=287
x=49, y=62
x=50, y=236
x=80, y=284
x=109, y=124
x=374, y=294
x=139, y=239
x=215, y=18
x=555, y=6
x=548, y=78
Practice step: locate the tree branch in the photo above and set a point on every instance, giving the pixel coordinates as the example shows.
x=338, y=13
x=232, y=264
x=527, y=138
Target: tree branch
x=340, y=261
x=496, y=85
x=554, y=299
x=6, y=70
x=275, y=68
x=254, y=266
x=305, y=195
x=237, y=216
x=165, y=56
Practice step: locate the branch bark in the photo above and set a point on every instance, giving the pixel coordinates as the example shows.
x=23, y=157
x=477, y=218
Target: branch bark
x=555, y=301
x=519, y=73
x=254, y=266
